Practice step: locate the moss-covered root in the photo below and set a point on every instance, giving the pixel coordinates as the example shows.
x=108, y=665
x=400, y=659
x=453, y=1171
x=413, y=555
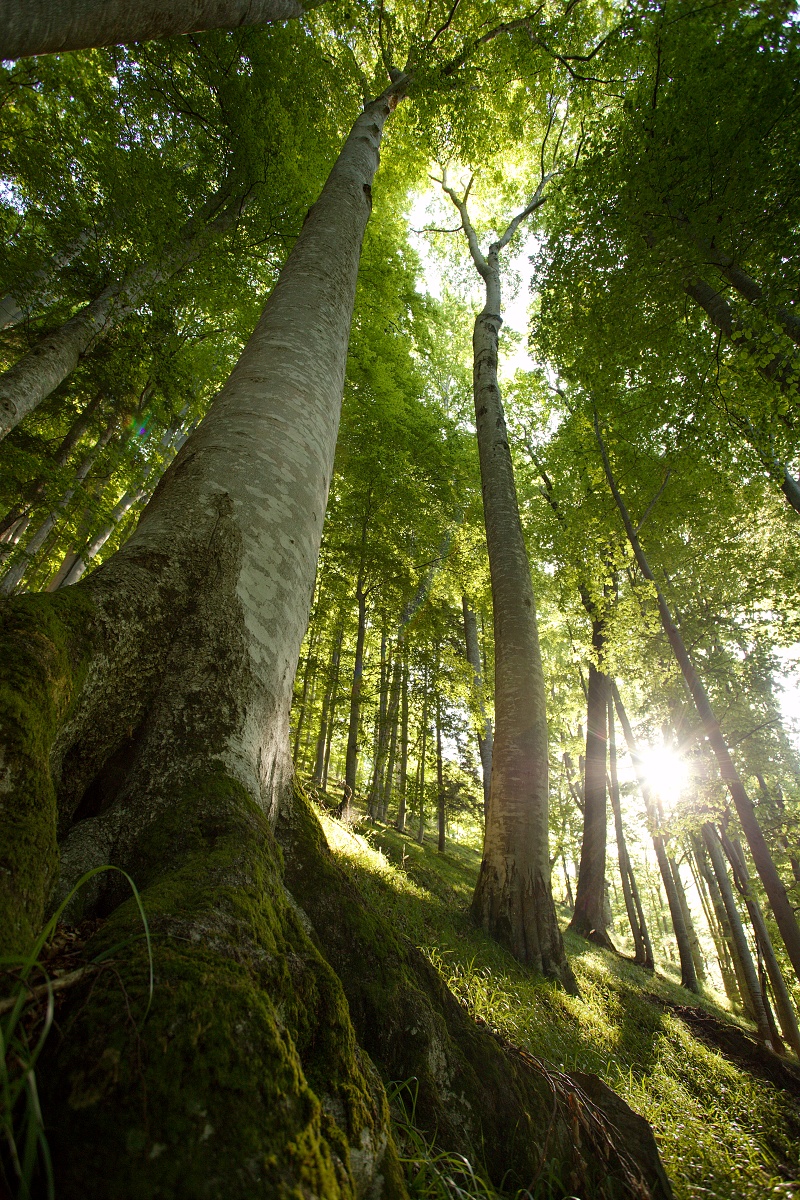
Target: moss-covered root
x=528, y=1128
x=245, y=1080
x=44, y=647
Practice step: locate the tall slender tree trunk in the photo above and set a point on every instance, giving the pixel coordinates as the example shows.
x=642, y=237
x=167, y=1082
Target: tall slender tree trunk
x=31, y=380
x=30, y=27
x=484, y=727
x=325, y=716
x=688, y=973
x=773, y=884
x=393, y=716
x=332, y=716
x=37, y=289
x=589, y=918
x=15, y=574
x=513, y=898
x=381, y=731
x=37, y=486
x=403, y=780
x=711, y=839
x=715, y=925
x=643, y=951
x=783, y=1002
x=440, y=808
x=351, y=760
x=423, y=754
x=691, y=932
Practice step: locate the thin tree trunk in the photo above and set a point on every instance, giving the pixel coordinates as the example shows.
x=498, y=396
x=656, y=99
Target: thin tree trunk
x=15, y=573
x=590, y=919
x=381, y=732
x=37, y=486
x=794, y=861
x=394, y=704
x=513, y=899
x=691, y=932
x=440, y=810
x=422, y=757
x=715, y=925
x=484, y=727
x=325, y=717
x=403, y=780
x=31, y=380
x=29, y=27
x=688, y=973
x=351, y=760
x=37, y=290
x=332, y=716
x=714, y=848
x=783, y=1001
x=773, y=884
x=643, y=952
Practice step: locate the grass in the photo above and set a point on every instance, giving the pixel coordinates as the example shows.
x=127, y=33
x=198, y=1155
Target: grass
x=723, y=1134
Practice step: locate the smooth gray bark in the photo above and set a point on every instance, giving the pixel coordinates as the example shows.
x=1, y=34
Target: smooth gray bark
x=402, y=783
x=211, y=594
x=351, y=760
x=24, y=386
x=29, y=27
x=513, y=899
x=773, y=884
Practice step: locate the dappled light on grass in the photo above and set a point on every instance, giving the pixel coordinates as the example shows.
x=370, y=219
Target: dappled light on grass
x=723, y=1134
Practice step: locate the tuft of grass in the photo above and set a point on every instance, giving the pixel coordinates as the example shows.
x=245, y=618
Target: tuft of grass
x=723, y=1134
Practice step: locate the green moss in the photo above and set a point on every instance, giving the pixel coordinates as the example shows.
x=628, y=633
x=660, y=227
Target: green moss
x=246, y=1079
x=44, y=649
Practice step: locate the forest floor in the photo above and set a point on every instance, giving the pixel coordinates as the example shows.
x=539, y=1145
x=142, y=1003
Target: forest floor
x=726, y=1114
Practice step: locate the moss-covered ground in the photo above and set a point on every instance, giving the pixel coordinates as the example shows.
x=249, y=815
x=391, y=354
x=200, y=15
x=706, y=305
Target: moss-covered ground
x=724, y=1134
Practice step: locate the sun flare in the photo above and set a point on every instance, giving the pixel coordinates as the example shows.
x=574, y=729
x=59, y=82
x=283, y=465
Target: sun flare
x=665, y=772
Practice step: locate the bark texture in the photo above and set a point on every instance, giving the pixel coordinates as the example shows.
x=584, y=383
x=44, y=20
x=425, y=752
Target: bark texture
x=513, y=898
x=484, y=731
x=29, y=27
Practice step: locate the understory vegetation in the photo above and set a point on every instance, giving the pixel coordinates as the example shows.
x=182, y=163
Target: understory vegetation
x=724, y=1130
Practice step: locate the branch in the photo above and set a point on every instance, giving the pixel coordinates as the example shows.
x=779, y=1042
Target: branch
x=654, y=501
x=481, y=264
x=537, y=202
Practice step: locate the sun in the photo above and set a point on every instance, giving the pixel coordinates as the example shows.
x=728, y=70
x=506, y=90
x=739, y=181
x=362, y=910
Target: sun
x=665, y=773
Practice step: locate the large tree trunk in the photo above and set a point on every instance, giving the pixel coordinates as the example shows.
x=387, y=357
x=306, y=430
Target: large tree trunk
x=773, y=884
x=589, y=918
x=146, y=717
x=688, y=974
x=31, y=380
x=513, y=898
x=484, y=728
x=29, y=27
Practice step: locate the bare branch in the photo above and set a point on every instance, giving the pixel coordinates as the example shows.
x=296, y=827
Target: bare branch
x=480, y=262
x=654, y=501
x=537, y=201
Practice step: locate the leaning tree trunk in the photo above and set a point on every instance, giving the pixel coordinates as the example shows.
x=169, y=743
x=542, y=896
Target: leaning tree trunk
x=513, y=898
x=589, y=918
x=146, y=721
x=24, y=386
x=29, y=27
x=711, y=839
x=773, y=884
x=688, y=974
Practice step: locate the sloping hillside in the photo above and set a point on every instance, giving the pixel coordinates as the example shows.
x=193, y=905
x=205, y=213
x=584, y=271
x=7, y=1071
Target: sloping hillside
x=725, y=1113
